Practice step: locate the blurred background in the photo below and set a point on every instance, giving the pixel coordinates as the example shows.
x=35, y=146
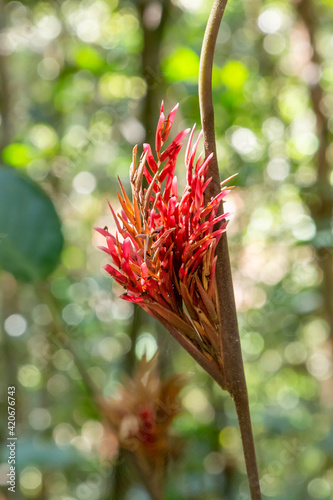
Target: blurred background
x=80, y=84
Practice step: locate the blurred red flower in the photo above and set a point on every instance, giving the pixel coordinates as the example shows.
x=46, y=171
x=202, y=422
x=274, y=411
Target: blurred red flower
x=141, y=414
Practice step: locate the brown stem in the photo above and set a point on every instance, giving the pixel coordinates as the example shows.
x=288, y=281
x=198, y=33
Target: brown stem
x=206, y=95
x=244, y=419
x=231, y=348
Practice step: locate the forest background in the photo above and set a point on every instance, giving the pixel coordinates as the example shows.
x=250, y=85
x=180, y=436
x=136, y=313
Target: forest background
x=80, y=84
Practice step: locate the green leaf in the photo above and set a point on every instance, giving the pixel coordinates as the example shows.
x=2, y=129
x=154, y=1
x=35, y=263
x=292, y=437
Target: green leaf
x=183, y=64
x=88, y=58
x=234, y=74
x=17, y=155
x=30, y=230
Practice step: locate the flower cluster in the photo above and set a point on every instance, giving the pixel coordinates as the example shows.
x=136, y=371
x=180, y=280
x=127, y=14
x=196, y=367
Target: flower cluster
x=163, y=253
x=141, y=414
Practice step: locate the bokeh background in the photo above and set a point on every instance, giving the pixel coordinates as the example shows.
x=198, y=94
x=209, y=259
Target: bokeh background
x=80, y=84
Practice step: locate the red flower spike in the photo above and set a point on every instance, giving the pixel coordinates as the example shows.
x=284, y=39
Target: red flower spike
x=165, y=258
x=169, y=122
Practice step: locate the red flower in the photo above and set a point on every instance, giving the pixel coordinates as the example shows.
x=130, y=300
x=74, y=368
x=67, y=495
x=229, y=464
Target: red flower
x=163, y=253
x=141, y=414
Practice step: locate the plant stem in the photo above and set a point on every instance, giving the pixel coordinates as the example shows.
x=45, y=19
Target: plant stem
x=230, y=341
x=205, y=92
x=244, y=419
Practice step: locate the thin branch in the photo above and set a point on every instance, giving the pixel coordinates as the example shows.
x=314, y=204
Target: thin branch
x=232, y=355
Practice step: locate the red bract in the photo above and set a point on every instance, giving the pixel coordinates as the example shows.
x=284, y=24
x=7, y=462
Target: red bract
x=163, y=253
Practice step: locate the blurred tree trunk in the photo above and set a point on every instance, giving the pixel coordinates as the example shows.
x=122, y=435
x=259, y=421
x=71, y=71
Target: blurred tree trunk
x=320, y=197
x=153, y=19
x=4, y=88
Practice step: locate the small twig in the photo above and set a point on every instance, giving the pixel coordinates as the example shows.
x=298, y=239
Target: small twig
x=232, y=355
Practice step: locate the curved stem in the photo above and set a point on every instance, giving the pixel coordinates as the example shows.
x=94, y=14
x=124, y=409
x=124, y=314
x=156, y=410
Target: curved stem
x=230, y=341
x=206, y=94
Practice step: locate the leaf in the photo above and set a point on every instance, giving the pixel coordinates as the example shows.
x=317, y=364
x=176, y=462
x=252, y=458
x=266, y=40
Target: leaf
x=88, y=58
x=30, y=229
x=183, y=64
x=17, y=155
x=234, y=74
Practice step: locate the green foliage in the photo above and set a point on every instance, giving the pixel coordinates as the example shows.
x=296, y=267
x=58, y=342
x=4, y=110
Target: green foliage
x=17, y=155
x=234, y=74
x=183, y=64
x=31, y=239
x=88, y=58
